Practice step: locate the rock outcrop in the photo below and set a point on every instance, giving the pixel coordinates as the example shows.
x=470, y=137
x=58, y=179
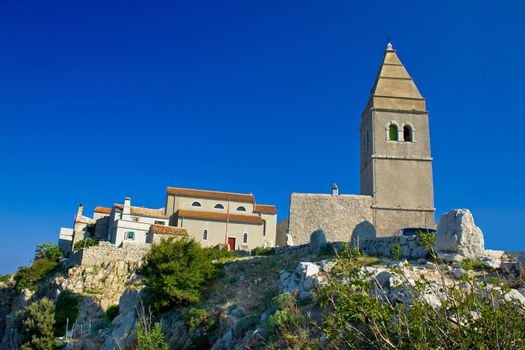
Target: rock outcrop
x=457, y=233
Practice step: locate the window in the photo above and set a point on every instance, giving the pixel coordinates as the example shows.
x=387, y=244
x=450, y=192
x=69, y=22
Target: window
x=158, y=222
x=241, y=208
x=408, y=134
x=245, y=237
x=196, y=204
x=130, y=235
x=135, y=218
x=219, y=206
x=205, y=235
x=392, y=132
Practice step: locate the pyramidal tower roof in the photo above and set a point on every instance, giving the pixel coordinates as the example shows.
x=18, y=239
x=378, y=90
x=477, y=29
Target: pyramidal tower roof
x=394, y=88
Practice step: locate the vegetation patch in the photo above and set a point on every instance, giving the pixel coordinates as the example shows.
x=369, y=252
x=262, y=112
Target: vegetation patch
x=38, y=326
x=177, y=271
x=112, y=312
x=263, y=251
x=85, y=243
x=66, y=312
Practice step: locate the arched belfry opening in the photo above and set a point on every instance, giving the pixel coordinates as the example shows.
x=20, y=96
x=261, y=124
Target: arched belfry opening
x=408, y=133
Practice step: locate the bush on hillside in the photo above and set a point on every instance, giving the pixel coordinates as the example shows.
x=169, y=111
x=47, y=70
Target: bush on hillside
x=48, y=251
x=176, y=272
x=29, y=276
x=263, y=251
x=5, y=278
x=112, y=312
x=66, y=307
x=37, y=326
x=149, y=333
x=85, y=243
x=475, y=316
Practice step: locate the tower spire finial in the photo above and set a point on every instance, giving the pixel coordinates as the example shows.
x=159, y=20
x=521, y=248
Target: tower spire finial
x=389, y=46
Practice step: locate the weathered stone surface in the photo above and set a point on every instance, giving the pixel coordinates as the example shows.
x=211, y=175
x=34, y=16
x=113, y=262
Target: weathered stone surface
x=514, y=295
x=342, y=217
x=317, y=241
x=457, y=233
x=494, y=254
x=450, y=257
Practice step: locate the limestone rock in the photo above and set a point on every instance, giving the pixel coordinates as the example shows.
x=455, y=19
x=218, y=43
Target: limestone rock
x=515, y=295
x=457, y=233
x=307, y=269
x=450, y=257
x=494, y=254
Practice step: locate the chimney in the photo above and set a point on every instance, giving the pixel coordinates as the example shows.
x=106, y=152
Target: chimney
x=79, y=211
x=127, y=206
x=335, y=189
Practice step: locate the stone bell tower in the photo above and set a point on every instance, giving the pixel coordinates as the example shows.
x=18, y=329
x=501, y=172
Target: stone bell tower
x=396, y=165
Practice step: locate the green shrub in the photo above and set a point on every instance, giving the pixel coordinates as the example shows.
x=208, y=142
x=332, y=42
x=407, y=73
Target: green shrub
x=176, y=272
x=149, y=334
x=29, y=276
x=468, y=318
x=112, y=312
x=5, y=278
x=66, y=307
x=427, y=240
x=85, y=243
x=48, y=251
x=395, y=251
x=194, y=317
x=263, y=251
x=37, y=326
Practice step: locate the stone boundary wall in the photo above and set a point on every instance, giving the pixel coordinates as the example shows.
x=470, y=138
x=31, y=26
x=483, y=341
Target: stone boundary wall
x=341, y=217
x=106, y=252
x=410, y=246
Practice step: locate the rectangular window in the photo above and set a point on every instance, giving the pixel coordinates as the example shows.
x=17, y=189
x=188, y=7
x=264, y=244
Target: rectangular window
x=135, y=218
x=158, y=222
x=130, y=235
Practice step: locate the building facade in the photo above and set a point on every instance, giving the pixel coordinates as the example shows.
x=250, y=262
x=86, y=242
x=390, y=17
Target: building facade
x=212, y=218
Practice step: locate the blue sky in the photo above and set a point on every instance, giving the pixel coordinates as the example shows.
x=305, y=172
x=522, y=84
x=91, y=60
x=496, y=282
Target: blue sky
x=101, y=100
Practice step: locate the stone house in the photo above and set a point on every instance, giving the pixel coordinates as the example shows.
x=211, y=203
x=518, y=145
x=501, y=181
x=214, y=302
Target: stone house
x=210, y=217
x=395, y=171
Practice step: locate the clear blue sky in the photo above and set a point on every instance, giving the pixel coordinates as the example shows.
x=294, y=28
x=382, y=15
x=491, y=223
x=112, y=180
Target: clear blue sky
x=105, y=99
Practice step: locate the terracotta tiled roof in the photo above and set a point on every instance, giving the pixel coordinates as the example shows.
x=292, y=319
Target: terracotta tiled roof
x=265, y=209
x=103, y=210
x=168, y=230
x=140, y=211
x=207, y=215
x=241, y=197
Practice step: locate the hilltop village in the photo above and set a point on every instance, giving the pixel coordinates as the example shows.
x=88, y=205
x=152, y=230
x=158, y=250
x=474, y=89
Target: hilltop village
x=218, y=270
x=396, y=190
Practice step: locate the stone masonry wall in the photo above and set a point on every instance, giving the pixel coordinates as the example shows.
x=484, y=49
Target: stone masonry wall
x=410, y=246
x=106, y=252
x=341, y=217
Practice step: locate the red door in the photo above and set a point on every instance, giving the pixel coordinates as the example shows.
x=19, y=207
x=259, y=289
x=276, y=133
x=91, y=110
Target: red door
x=231, y=243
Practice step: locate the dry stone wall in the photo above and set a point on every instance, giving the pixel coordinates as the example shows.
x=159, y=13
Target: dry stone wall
x=409, y=247
x=341, y=217
x=106, y=253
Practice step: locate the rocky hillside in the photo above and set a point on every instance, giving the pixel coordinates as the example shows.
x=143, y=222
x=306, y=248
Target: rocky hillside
x=289, y=298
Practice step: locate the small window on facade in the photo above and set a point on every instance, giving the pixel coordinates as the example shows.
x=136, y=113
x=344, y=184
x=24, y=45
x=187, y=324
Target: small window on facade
x=392, y=132
x=219, y=206
x=241, y=208
x=245, y=238
x=205, y=235
x=407, y=133
x=195, y=204
x=130, y=235
x=158, y=222
x=135, y=218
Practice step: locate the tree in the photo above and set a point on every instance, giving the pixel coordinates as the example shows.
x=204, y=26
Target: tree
x=177, y=270
x=48, y=251
x=38, y=326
